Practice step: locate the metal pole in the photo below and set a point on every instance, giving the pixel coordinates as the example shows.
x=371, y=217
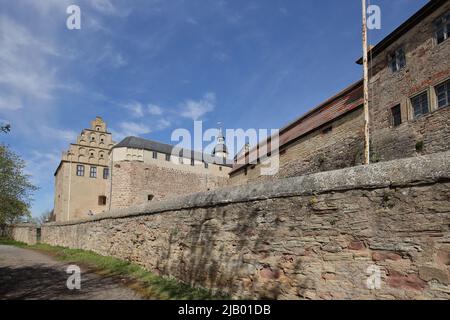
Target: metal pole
x=366, y=85
x=70, y=180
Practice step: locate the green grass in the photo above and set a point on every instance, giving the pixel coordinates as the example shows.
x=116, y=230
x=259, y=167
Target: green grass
x=148, y=284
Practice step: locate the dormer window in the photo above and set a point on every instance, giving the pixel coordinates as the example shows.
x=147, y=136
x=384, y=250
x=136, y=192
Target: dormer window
x=397, y=60
x=442, y=28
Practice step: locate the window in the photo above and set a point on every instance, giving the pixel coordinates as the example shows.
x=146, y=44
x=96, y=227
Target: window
x=327, y=130
x=420, y=104
x=220, y=168
x=397, y=60
x=93, y=172
x=105, y=173
x=167, y=157
x=396, y=114
x=155, y=155
x=102, y=200
x=80, y=170
x=443, y=94
x=206, y=165
x=442, y=28
x=150, y=197
x=92, y=138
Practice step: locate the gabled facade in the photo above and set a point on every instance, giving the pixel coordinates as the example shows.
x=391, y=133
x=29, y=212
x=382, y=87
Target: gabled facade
x=82, y=175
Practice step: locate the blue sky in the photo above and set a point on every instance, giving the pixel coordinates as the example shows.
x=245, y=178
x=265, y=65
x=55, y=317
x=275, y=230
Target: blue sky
x=151, y=66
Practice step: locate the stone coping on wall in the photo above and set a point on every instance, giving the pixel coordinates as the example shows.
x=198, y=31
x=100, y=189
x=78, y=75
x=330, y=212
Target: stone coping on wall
x=24, y=225
x=397, y=173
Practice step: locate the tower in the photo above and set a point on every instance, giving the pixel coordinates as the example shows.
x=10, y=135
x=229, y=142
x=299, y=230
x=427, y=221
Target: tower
x=220, y=150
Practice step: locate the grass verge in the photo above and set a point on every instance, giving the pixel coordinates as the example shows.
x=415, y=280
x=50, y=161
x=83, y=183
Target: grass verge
x=148, y=284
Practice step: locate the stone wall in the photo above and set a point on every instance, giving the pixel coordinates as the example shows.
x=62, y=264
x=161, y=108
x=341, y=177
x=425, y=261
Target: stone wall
x=26, y=233
x=308, y=237
x=427, y=65
x=133, y=182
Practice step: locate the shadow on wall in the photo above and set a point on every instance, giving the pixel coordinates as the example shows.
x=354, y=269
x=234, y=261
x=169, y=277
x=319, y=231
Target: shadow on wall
x=206, y=256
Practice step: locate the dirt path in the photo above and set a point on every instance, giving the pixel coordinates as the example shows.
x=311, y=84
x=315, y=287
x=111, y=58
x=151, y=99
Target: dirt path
x=27, y=274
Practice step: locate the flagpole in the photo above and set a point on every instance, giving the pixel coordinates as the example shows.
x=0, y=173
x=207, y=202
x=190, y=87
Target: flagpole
x=366, y=84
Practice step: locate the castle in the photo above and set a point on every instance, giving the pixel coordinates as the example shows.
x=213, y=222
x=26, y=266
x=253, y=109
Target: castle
x=409, y=116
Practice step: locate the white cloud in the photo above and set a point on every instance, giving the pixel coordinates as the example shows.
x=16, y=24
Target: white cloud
x=61, y=134
x=136, y=109
x=41, y=165
x=111, y=57
x=155, y=110
x=195, y=109
x=23, y=62
x=163, y=124
x=129, y=128
x=106, y=7
x=10, y=103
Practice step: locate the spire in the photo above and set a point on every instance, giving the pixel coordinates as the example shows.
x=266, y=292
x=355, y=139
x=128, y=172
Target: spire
x=220, y=150
x=220, y=137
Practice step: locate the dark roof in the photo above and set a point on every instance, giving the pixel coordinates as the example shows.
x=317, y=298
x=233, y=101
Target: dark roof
x=151, y=145
x=424, y=12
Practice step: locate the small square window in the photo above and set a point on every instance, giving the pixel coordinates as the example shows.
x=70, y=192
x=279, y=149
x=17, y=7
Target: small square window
x=442, y=28
x=397, y=60
x=420, y=104
x=93, y=172
x=396, y=114
x=80, y=170
x=150, y=197
x=102, y=200
x=327, y=130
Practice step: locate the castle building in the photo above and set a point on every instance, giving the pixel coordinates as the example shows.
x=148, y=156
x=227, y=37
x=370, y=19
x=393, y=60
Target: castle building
x=409, y=104
x=82, y=175
x=96, y=175
x=144, y=170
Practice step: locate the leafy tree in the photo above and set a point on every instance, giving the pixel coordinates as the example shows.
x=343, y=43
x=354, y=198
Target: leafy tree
x=15, y=187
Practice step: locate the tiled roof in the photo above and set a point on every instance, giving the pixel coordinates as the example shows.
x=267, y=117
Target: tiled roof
x=151, y=145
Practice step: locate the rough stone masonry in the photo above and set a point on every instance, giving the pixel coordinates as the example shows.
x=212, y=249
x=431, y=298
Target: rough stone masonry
x=318, y=236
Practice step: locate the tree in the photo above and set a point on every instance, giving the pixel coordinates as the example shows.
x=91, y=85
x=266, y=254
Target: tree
x=45, y=217
x=15, y=187
x=5, y=127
